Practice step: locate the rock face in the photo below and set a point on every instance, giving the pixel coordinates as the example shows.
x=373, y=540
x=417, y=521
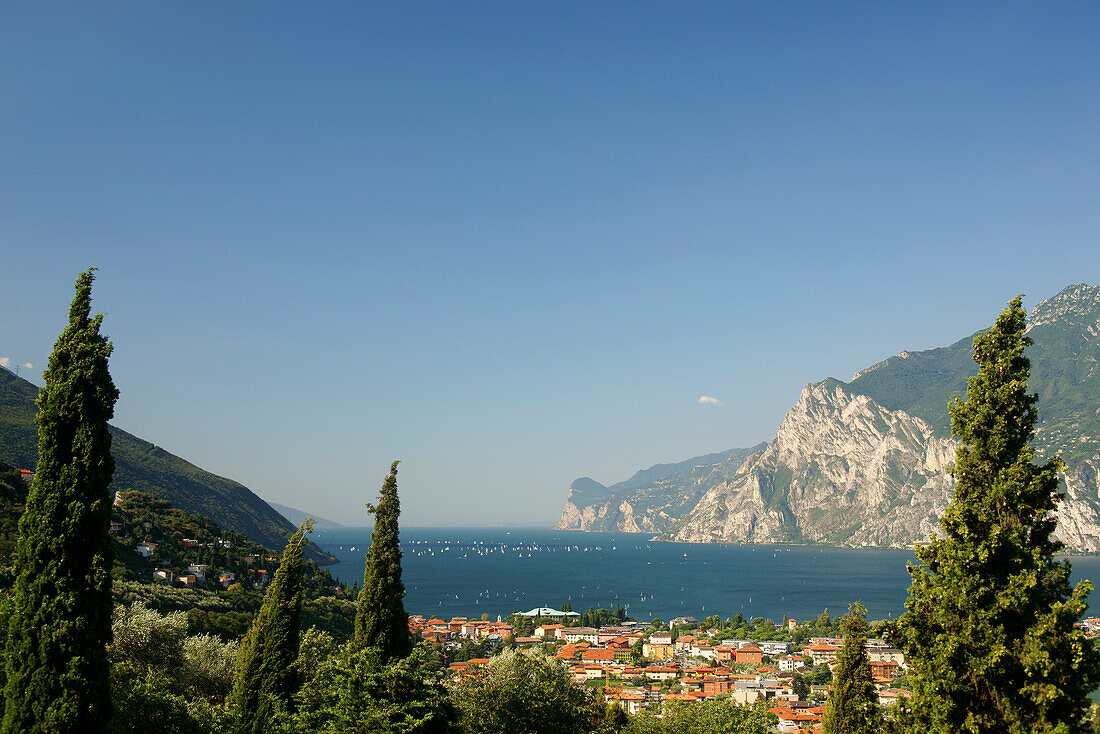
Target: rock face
x=650, y=501
x=865, y=463
x=841, y=470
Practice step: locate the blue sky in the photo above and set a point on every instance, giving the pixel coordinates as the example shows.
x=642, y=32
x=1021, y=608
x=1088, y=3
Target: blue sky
x=514, y=244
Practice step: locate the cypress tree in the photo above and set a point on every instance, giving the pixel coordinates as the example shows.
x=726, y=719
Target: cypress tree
x=852, y=707
x=60, y=624
x=266, y=675
x=380, y=618
x=989, y=629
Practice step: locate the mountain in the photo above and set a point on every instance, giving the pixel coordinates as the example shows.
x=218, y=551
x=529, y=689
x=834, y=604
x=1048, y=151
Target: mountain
x=653, y=499
x=297, y=517
x=1064, y=372
x=864, y=463
x=148, y=468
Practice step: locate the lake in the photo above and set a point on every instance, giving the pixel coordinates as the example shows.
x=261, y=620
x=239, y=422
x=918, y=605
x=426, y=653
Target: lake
x=496, y=571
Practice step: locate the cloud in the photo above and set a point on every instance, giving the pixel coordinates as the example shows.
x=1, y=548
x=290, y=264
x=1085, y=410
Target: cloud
x=28, y=366
x=708, y=400
x=5, y=361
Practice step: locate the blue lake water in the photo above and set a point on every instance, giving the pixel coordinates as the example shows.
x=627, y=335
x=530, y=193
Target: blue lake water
x=471, y=571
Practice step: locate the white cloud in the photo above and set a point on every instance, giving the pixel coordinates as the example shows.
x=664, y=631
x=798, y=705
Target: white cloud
x=708, y=400
x=5, y=361
x=28, y=366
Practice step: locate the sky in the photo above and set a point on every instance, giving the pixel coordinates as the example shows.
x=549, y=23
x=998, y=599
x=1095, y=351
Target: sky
x=514, y=244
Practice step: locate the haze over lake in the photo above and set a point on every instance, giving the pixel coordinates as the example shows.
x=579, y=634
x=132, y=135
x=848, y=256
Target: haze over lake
x=471, y=571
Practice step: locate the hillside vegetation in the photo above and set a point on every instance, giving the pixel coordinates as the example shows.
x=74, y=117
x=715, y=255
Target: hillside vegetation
x=142, y=466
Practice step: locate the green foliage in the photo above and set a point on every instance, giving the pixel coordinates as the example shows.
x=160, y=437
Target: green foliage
x=714, y=716
x=801, y=688
x=267, y=678
x=988, y=632
x=208, y=667
x=146, y=640
x=614, y=719
x=60, y=622
x=354, y=692
x=524, y=693
x=380, y=620
x=144, y=701
x=13, y=500
x=853, y=700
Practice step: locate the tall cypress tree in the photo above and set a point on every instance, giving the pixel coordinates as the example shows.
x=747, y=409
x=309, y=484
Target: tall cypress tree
x=266, y=676
x=380, y=618
x=852, y=707
x=60, y=624
x=988, y=632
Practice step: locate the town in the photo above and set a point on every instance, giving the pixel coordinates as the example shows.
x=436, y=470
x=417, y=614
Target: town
x=644, y=665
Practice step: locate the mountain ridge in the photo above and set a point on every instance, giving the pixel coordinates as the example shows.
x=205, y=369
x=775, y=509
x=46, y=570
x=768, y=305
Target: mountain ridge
x=864, y=462
x=148, y=468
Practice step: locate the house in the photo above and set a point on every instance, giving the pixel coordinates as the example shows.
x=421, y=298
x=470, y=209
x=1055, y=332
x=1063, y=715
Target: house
x=883, y=654
x=577, y=634
x=702, y=650
x=548, y=630
x=789, y=663
x=189, y=543
x=599, y=655
x=890, y=696
x=188, y=580
x=661, y=638
x=658, y=672
x=261, y=578
x=749, y=654
x=26, y=475
x=226, y=579
x=115, y=528
x=714, y=685
x=885, y=670
x=822, y=653
x=199, y=569
x=146, y=549
x=434, y=633
x=164, y=575
x=658, y=652
x=772, y=648
x=629, y=701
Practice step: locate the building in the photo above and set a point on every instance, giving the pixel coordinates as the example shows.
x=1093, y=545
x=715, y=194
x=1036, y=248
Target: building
x=749, y=654
x=548, y=613
x=578, y=634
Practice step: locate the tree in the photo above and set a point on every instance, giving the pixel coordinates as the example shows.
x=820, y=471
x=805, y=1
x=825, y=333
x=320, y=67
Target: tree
x=353, y=692
x=267, y=678
x=520, y=693
x=801, y=688
x=713, y=716
x=852, y=707
x=380, y=618
x=988, y=630
x=60, y=623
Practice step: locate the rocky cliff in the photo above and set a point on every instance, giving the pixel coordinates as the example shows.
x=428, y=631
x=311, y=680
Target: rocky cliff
x=864, y=463
x=843, y=470
x=653, y=499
